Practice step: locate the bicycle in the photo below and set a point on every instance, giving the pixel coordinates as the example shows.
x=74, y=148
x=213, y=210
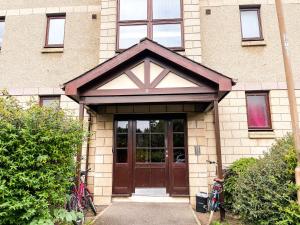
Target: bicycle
x=214, y=202
x=80, y=199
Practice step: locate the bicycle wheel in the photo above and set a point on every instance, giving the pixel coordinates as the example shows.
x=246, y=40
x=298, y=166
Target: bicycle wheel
x=213, y=205
x=74, y=206
x=90, y=201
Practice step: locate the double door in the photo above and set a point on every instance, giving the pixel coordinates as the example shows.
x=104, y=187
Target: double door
x=150, y=152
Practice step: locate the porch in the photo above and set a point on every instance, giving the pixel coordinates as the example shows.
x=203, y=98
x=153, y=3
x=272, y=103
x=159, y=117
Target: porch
x=153, y=122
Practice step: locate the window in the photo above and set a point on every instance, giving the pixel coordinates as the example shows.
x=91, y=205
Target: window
x=122, y=142
x=50, y=101
x=2, y=24
x=251, y=23
x=55, y=31
x=258, y=110
x=159, y=20
x=178, y=141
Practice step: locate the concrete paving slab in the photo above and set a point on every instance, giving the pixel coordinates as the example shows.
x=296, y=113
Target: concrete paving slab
x=121, y=213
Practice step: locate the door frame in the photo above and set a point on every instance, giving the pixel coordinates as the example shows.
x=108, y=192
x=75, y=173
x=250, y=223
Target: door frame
x=131, y=149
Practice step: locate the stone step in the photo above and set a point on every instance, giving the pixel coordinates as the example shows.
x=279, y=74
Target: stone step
x=154, y=192
x=152, y=199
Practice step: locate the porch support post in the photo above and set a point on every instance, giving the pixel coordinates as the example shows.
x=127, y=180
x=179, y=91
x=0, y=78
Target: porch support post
x=79, y=150
x=218, y=139
x=218, y=152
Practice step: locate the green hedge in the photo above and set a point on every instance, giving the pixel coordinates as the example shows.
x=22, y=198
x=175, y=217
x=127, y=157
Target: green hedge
x=265, y=193
x=233, y=174
x=37, y=149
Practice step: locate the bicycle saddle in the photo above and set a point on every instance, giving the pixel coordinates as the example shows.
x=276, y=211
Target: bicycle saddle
x=219, y=180
x=82, y=173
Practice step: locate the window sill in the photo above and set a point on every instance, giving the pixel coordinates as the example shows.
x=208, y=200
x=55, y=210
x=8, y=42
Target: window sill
x=263, y=134
x=179, y=49
x=253, y=43
x=52, y=50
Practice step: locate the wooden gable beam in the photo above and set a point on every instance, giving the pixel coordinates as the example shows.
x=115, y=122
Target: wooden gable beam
x=225, y=83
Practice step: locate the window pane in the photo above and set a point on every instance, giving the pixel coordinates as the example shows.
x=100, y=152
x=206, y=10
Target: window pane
x=179, y=155
x=122, y=126
x=2, y=23
x=142, y=155
x=142, y=126
x=257, y=111
x=157, y=126
x=122, y=140
x=133, y=9
x=178, y=125
x=121, y=155
x=130, y=35
x=178, y=140
x=56, y=31
x=50, y=102
x=250, y=24
x=168, y=35
x=157, y=140
x=166, y=9
x=157, y=155
x=143, y=140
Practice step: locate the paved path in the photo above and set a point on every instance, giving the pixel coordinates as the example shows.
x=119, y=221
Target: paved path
x=147, y=214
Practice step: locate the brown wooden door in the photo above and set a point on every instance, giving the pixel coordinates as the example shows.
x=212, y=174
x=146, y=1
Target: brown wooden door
x=122, y=154
x=178, y=157
x=150, y=152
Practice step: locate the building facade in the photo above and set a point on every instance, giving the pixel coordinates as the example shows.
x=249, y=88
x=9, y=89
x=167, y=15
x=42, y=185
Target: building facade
x=168, y=84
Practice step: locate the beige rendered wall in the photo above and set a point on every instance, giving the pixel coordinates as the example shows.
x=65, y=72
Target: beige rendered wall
x=20, y=4
x=252, y=66
x=25, y=64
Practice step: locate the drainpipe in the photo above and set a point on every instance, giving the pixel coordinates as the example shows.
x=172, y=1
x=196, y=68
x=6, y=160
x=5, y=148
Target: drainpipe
x=219, y=153
x=79, y=150
x=88, y=146
x=290, y=87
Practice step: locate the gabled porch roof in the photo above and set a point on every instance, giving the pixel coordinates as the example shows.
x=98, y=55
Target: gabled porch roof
x=148, y=73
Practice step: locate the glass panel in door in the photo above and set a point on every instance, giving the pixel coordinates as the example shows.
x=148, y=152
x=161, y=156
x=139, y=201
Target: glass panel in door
x=150, y=141
x=150, y=153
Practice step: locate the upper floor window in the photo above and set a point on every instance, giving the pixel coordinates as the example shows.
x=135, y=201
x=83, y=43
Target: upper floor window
x=50, y=101
x=251, y=23
x=159, y=20
x=258, y=110
x=2, y=24
x=55, y=31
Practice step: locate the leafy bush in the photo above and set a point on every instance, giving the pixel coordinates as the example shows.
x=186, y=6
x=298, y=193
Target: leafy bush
x=233, y=174
x=266, y=193
x=37, y=149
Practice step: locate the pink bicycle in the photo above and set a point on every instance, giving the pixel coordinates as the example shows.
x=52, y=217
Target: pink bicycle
x=81, y=199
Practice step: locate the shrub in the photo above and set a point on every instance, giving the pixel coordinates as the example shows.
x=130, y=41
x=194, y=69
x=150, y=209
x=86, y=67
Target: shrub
x=233, y=174
x=37, y=149
x=266, y=193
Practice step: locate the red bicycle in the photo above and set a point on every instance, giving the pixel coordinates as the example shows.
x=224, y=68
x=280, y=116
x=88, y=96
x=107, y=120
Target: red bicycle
x=81, y=199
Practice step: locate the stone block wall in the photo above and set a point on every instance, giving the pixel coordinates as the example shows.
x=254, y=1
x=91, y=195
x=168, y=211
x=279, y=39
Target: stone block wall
x=236, y=141
x=102, y=159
